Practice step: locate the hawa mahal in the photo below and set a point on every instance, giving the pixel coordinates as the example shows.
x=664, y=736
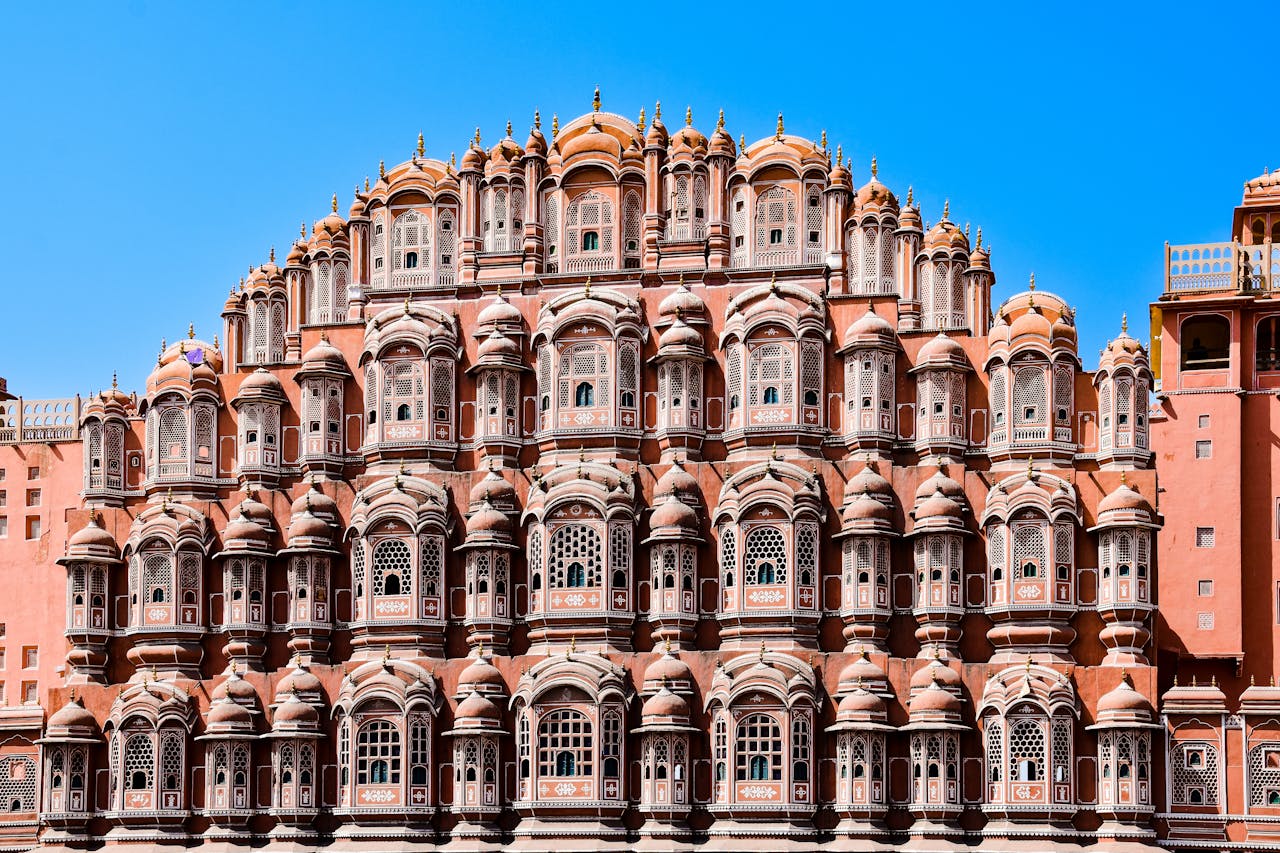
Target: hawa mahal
x=632, y=487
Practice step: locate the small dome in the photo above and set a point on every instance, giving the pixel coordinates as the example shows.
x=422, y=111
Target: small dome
x=236, y=689
x=294, y=713
x=688, y=139
x=226, y=713
x=657, y=134
x=499, y=312
x=862, y=671
x=721, y=142
x=945, y=234
x=860, y=703
x=494, y=489
x=665, y=704
x=298, y=680
x=481, y=673
x=536, y=143
x=242, y=529
x=940, y=482
x=934, y=700
x=938, y=506
x=315, y=501
x=866, y=508
x=72, y=715
x=874, y=195
x=1123, y=699
x=1031, y=323
x=869, y=327
x=668, y=669
x=940, y=348
x=91, y=537
x=473, y=159
x=477, y=707
x=309, y=526
x=868, y=480
x=594, y=143
x=909, y=218
x=1125, y=498
x=935, y=672
x=676, y=480
x=256, y=511
x=488, y=521
x=682, y=301
x=679, y=335
x=674, y=513
x=297, y=254
x=497, y=347
x=324, y=356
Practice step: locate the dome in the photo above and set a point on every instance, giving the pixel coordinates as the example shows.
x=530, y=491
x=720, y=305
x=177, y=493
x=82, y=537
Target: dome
x=874, y=195
x=473, y=159
x=1125, y=499
x=938, y=506
x=477, y=707
x=324, y=356
x=682, y=301
x=688, y=139
x=676, y=480
x=940, y=482
x=224, y=713
x=721, y=142
x=298, y=680
x=680, y=335
x=91, y=537
x=667, y=669
x=480, y=674
x=297, y=252
x=594, y=143
x=869, y=327
x=862, y=671
x=860, y=703
x=261, y=383
x=294, y=713
x=673, y=512
x=666, y=704
x=72, y=715
x=935, y=672
x=940, y=348
x=909, y=218
x=934, y=700
x=244, y=530
x=945, y=235
x=866, y=508
x=236, y=689
x=316, y=502
x=499, y=312
x=309, y=526
x=1031, y=323
x=488, y=521
x=657, y=130
x=536, y=143
x=494, y=489
x=497, y=347
x=1123, y=699
x=868, y=480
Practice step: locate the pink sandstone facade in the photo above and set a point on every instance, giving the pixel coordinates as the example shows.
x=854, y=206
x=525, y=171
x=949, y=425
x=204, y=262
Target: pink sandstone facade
x=638, y=489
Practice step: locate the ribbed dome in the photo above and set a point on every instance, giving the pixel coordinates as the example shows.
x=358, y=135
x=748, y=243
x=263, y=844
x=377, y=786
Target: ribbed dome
x=1124, y=498
x=867, y=480
x=870, y=326
x=309, y=526
x=481, y=673
x=324, y=356
x=860, y=703
x=494, y=489
x=477, y=707
x=940, y=348
x=72, y=715
x=1123, y=698
x=940, y=482
x=487, y=520
x=497, y=347
x=674, y=512
x=226, y=713
x=499, y=312
x=315, y=501
x=665, y=704
x=295, y=713
x=934, y=700
x=261, y=382
x=863, y=670
x=298, y=680
x=866, y=508
x=937, y=506
x=594, y=143
x=679, y=335
x=676, y=479
x=875, y=195
x=236, y=689
x=667, y=669
x=92, y=536
x=935, y=671
x=1031, y=323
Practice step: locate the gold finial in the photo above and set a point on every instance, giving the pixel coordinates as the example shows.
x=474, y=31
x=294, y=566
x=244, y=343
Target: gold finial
x=688, y=116
x=781, y=129
x=773, y=282
x=382, y=169
x=586, y=288
x=966, y=230
x=215, y=340
x=508, y=128
x=333, y=204
x=406, y=306
x=422, y=147
x=1028, y=664
x=657, y=110
x=742, y=144
x=537, y=120
x=573, y=647
x=1031, y=470
x=1032, y=284
x=366, y=183
x=114, y=386
x=666, y=644
x=1124, y=322
x=875, y=169
x=910, y=196
x=1250, y=679
x=476, y=139
x=498, y=294
x=271, y=256
x=979, y=246
x=640, y=124
x=595, y=101
x=839, y=154
x=1213, y=681
x=302, y=230
x=1124, y=478
x=191, y=331
x=946, y=209
x=235, y=667
x=386, y=654
x=823, y=140
x=453, y=160
x=480, y=649
x=720, y=120
x=555, y=126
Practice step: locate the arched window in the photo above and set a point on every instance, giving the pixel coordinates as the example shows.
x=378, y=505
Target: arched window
x=378, y=753
x=410, y=238
x=758, y=749
x=392, y=567
x=565, y=744
x=771, y=375
x=1206, y=343
x=574, y=556
x=764, y=557
x=776, y=225
x=1029, y=398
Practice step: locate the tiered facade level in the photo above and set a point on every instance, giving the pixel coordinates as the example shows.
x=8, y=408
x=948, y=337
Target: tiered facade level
x=622, y=488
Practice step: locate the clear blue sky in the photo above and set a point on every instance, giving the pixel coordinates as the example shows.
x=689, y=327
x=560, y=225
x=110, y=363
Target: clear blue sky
x=152, y=151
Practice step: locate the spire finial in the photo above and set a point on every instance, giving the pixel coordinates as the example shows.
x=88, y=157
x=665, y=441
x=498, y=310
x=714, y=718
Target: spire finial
x=366, y=183
x=191, y=331
x=641, y=123
x=595, y=101
x=875, y=170
x=688, y=116
x=476, y=139
x=453, y=160
x=114, y=385
x=763, y=649
x=1032, y=284
x=333, y=204
x=498, y=294
x=781, y=128
x=979, y=246
x=537, y=119
x=386, y=654
x=480, y=649
x=508, y=128
x=666, y=644
x=573, y=647
x=422, y=145
x=1124, y=478
x=382, y=169
x=555, y=126
x=302, y=230
x=966, y=230
x=720, y=120
x=822, y=140
x=586, y=288
x=839, y=154
x=657, y=110
x=773, y=282
x=742, y=144
x=946, y=209
x=911, y=196
x=1031, y=468
x=215, y=340
x=271, y=256
x=1124, y=322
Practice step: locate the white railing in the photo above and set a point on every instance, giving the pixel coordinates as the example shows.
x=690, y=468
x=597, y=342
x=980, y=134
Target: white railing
x=590, y=263
x=1209, y=267
x=39, y=420
x=776, y=258
x=686, y=231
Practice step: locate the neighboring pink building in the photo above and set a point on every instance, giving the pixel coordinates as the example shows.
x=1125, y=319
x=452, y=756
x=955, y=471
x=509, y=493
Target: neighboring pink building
x=623, y=488
x=1217, y=334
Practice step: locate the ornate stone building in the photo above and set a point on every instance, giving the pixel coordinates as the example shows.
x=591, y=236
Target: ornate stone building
x=627, y=487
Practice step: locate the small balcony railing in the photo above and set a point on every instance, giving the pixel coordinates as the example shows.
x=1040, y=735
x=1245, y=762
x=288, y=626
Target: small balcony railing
x=1221, y=267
